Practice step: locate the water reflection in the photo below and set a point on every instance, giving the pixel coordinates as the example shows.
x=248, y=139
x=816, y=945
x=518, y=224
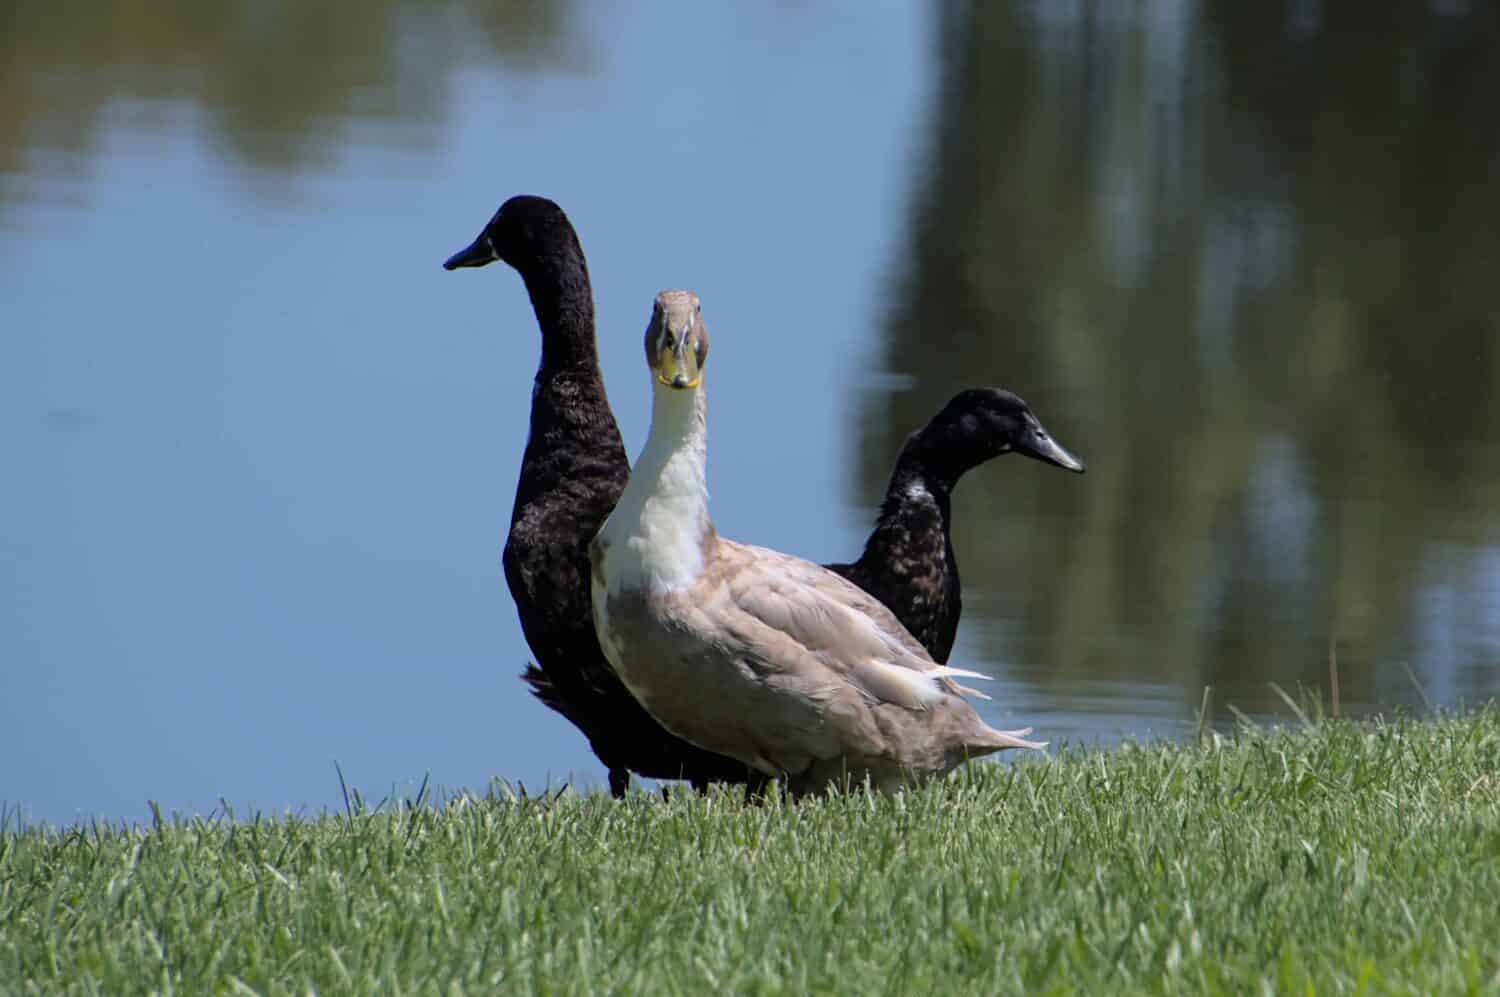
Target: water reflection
x=1243, y=264
x=262, y=449
x=1240, y=265
x=270, y=78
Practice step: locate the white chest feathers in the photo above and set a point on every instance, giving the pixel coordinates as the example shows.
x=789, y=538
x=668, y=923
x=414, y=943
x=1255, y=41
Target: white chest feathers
x=654, y=539
x=663, y=553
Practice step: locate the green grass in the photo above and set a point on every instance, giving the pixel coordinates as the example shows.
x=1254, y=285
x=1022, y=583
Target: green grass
x=1344, y=857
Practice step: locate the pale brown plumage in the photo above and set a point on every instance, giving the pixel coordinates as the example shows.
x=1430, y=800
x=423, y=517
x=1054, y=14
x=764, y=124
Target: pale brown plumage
x=752, y=653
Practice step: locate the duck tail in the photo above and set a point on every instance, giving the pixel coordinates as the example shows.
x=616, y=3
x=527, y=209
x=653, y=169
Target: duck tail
x=543, y=689
x=950, y=673
x=999, y=740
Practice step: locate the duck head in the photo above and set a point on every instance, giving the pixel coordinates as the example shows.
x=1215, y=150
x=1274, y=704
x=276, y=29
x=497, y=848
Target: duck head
x=981, y=423
x=525, y=230
x=677, y=340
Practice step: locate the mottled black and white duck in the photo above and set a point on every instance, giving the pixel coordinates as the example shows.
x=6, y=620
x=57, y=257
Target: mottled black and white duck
x=908, y=563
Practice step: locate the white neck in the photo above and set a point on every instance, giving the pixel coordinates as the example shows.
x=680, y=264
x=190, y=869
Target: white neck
x=656, y=534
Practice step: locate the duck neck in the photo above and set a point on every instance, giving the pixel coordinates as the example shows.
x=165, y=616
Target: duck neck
x=664, y=511
x=563, y=301
x=915, y=512
x=924, y=465
x=939, y=454
x=573, y=436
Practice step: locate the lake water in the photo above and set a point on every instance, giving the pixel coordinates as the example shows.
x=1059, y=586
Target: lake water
x=260, y=449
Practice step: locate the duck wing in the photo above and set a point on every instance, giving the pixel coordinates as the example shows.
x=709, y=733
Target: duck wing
x=776, y=600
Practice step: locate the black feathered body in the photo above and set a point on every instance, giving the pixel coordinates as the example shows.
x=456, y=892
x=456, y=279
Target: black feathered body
x=573, y=472
x=908, y=562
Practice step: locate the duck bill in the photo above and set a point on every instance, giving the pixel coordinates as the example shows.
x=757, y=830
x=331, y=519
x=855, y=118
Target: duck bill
x=475, y=254
x=678, y=367
x=1044, y=448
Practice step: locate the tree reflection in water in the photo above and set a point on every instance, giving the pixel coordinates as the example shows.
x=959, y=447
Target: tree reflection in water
x=1243, y=264
x=270, y=78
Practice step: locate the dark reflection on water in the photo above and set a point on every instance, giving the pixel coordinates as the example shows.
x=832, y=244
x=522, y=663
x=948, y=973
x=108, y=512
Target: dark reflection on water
x=272, y=78
x=1244, y=264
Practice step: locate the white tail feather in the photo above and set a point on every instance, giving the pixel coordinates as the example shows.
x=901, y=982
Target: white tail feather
x=1014, y=739
x=948, y=671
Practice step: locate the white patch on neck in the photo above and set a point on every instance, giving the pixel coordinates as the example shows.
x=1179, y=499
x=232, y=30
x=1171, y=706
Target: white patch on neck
x=917, y=492
x=654, y=538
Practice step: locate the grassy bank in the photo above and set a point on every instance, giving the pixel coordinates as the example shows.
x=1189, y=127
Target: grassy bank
x=1347, y=857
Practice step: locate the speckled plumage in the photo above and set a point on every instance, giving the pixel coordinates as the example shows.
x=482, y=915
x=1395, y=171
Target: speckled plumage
x=908, y=562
